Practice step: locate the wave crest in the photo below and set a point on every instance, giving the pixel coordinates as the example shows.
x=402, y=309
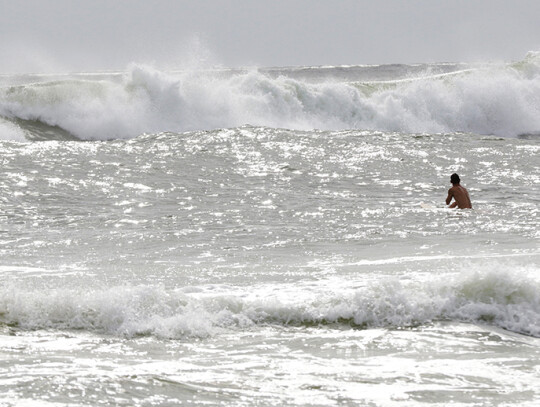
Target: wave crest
x=497, y=99
x=497, y=298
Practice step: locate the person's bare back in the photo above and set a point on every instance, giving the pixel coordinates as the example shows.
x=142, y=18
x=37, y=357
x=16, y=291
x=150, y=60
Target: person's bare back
x=459, y=193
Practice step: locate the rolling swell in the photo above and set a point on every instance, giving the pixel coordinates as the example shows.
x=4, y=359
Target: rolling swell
x=494, y=99
x=36, y=130
x=500, y=298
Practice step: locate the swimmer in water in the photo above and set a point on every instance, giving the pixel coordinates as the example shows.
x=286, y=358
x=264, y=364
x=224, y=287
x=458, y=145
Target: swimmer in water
x=459, y=193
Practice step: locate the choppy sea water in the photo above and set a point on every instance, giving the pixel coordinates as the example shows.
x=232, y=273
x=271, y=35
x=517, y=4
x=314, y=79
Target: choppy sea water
x=170, y=259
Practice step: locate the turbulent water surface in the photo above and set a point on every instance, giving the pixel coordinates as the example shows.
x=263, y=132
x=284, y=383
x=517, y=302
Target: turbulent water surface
x=271, y=237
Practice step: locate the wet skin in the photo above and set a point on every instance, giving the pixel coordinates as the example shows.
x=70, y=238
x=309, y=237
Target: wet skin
x=461, y=197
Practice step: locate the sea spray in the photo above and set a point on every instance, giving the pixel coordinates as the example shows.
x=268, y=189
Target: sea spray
x=11, y=131
x=493, y=297
x=492, y=99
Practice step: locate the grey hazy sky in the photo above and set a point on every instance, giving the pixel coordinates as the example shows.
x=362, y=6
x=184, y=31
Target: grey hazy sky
x=87, y=35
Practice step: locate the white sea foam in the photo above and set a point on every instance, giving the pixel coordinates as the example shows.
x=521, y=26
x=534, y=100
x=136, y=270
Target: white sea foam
x=501, y=100
x=509, y=300
x=10, y=131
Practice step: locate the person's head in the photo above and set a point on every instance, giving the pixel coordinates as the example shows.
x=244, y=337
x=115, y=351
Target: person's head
x=454, y=179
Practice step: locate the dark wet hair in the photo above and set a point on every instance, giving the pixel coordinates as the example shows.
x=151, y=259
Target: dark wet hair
x=454, y=178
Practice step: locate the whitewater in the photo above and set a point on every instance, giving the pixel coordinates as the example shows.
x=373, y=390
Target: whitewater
x=271, y=236
x=496, y=99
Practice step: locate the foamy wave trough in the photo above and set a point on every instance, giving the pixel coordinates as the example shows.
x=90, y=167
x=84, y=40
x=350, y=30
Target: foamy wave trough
x=495, y=298
x=500, y=100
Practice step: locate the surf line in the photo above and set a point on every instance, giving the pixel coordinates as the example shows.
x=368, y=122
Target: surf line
x=411, y=259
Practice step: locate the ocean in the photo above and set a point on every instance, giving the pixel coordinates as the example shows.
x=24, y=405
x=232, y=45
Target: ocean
x=271, y=236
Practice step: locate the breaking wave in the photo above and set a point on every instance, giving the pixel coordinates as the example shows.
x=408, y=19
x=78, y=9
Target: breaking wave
x=507, y=300
x=500, y=99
